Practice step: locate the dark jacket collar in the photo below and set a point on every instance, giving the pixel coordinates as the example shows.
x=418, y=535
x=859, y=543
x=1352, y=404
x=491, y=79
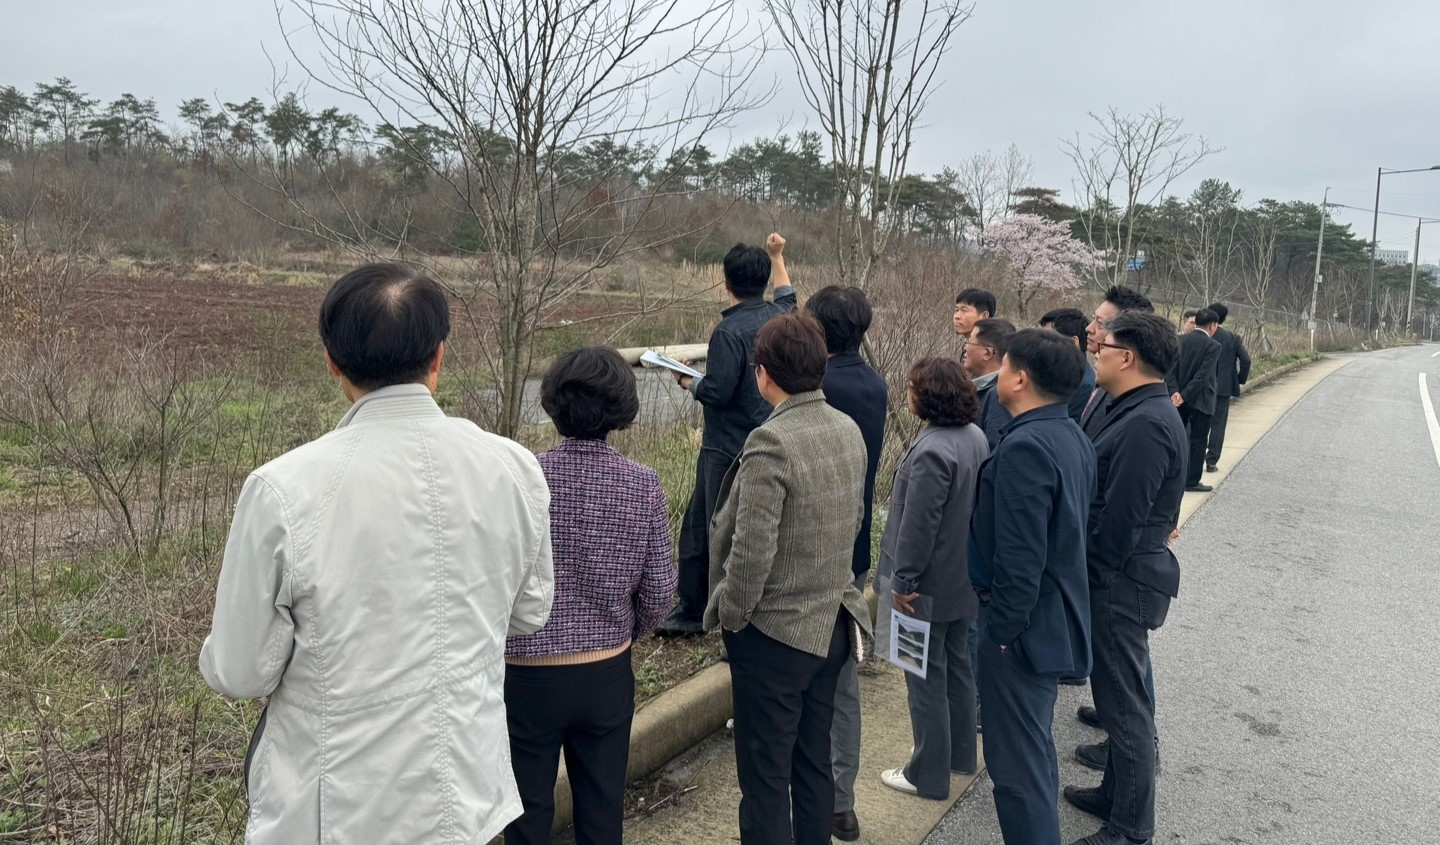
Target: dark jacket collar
x=845, y=359
x=744, y=304
x=1136, y=396
x=1055, y=411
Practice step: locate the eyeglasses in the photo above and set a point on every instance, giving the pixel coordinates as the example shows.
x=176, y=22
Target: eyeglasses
x=970, y=343
x=1114, y=346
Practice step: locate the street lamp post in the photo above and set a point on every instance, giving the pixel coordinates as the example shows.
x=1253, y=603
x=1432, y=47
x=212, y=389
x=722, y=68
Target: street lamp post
x=1374, y=243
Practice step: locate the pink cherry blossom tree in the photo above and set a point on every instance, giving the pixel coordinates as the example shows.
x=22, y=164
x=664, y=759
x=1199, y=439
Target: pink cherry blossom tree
x=1040, y=255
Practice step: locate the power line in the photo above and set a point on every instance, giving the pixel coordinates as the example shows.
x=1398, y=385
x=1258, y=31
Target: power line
x=1426, y=218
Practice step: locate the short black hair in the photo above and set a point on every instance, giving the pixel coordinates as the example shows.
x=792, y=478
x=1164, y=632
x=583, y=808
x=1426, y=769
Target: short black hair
x=1185, y=315
x=1128, y=300
x=382, y=324
x=791, y=348
x=1070, y=322
x=1221, y=311
x=993, y=332
x=977, y=298
x=1053, y=363
x=844, y=314
x=747, y=271
x=1149, y=336
x=1206, y=317
x=590, y=392
x=944, y=394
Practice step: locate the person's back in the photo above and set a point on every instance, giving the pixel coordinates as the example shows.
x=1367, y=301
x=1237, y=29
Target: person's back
x=369, y=582
x=818, y=453
x=1060, y=458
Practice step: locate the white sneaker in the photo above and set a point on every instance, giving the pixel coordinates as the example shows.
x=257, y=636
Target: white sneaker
x=895, y=779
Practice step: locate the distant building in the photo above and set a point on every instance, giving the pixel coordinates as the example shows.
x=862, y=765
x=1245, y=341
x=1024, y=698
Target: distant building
x=1393, y=257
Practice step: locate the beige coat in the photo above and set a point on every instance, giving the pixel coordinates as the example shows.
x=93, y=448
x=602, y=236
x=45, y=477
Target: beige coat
x=783, y=537
x=369, y=582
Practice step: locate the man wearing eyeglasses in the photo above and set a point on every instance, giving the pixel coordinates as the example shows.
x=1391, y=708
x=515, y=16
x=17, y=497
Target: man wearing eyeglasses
x=984, y=350
x=1140, y=461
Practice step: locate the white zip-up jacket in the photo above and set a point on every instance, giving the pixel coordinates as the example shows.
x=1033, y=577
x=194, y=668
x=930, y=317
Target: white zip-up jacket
x=369, y=582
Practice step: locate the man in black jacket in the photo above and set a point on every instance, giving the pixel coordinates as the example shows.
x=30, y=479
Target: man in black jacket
x=733, y=408
x=857, y=391
x=1140, y=461
x=1232, y=369
x=1192, y=389
x=1073, y=323
x=1118, y=298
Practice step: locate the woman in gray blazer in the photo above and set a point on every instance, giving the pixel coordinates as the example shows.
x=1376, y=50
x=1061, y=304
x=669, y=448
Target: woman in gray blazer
x=924, y=571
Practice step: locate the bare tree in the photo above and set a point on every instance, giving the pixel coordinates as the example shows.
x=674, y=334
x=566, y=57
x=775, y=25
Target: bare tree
x=515, y=90
x=867, y=69
x=989, y=183
x=1123, y=169
x=1211, y=237
x=1261, y=234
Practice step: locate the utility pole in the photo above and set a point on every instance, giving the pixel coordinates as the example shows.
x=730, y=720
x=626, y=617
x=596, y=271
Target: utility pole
x=1374, y=242
x=1414, y=271
x=1319, y=251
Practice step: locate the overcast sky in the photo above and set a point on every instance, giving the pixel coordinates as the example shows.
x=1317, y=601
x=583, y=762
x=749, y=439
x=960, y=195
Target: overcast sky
x=1303, y=94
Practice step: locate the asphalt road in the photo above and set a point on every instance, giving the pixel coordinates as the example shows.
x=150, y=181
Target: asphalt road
x=1298, y=676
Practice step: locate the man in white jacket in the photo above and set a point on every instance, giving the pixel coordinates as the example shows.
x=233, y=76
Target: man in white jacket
x=369, y=582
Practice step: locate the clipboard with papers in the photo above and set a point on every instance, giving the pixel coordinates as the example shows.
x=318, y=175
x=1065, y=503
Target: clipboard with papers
x=651, y=358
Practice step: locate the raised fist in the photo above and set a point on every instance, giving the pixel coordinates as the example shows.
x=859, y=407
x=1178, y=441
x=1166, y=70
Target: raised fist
x=774, y=244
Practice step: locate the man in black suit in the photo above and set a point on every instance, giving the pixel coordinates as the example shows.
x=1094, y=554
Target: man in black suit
x=1192, y=389
x=1232, y=370
x=1118, y=298
x=1140, y=463
x=1027, y=565
x=1073, y=323
x=857, y=391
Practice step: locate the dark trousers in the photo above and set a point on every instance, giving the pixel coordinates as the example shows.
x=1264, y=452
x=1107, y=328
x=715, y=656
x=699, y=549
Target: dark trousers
x=694, y=578
x=1019, y=707
x=586, y=711
x=1122, y=615
x=1218, y=421
x=942, y=711
x=1197, y=424
x=784, y=701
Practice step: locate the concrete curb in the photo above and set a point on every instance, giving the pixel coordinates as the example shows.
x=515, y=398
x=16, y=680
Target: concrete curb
x=664, y=728
x=1262, y=380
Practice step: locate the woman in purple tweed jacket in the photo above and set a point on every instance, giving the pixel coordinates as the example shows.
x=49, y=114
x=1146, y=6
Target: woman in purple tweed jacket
x=570, y=685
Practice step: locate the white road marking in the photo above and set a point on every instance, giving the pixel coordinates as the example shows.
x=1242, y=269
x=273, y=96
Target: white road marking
x=1435, y=354
x=1430, y=416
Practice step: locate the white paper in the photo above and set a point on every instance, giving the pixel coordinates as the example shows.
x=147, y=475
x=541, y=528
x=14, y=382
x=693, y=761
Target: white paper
x=651, y=358
x=909, y=643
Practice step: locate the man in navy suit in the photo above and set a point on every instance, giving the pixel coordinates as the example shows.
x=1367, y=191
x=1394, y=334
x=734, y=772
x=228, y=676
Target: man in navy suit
x=1140, y=464
x=1027, y=564
x=857, y=391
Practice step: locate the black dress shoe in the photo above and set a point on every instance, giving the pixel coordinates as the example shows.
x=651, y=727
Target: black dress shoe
x=1094, y=756
x=1088, y=800
x=1106, y=836
x=1211, y=468
x=676, y=625
x=846, y=827
x=1088, y=715
x=1199, y=488
x=1073, y=682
